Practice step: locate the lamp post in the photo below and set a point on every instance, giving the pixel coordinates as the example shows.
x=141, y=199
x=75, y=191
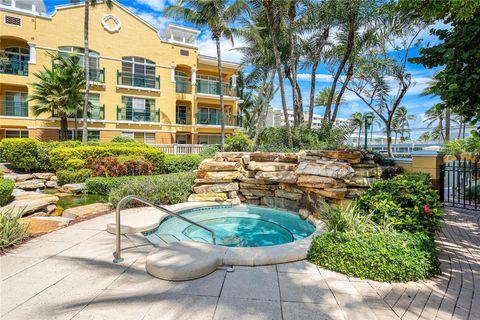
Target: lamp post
x=368, y=122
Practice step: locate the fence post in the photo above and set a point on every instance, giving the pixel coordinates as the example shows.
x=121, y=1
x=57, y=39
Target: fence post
x=175, y=151
x=429, y=161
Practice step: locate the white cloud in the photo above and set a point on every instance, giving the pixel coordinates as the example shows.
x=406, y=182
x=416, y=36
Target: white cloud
x=208, y=47
x=157, y=5
x=321, y=77
x=159, y=21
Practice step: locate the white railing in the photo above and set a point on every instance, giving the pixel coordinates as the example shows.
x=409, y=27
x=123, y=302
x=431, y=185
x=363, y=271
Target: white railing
x=179, y=149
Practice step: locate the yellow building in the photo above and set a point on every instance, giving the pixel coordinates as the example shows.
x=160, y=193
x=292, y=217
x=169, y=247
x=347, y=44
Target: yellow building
x=154, y=87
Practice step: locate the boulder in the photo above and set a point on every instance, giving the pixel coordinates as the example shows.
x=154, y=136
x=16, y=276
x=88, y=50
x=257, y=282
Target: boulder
x=279, y=193
x=330, y=192
x=354, y=192
x=51, y=184
x=367, y=171
x=246, y=185
x=21, y=177
x=227, y=156
x=254, y=202
x=254, y=180
x=249, y=174
x=271, y=166
x=281, y=203
x=87, y=210
x=42, y=225
x=218, y=176
x=215, y=188
x=289, y=187
x=352, y=156
x=311, y=181
x=256, y=192
x=263, y=156
x=50, y=208
x=44, y=175
x=72, y=188
x=246, y=159
x=54, y=178
x=233, y=195
x=209, y=165
x=288, y=157
x=209, y=197
x=25, y=207
x=333, y=170
x=278, y=176
x=49, y=198
x=360, y=182
x=31, y=184
x=235, y=201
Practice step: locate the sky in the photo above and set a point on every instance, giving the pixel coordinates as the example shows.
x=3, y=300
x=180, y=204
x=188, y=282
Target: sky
x=151, y=11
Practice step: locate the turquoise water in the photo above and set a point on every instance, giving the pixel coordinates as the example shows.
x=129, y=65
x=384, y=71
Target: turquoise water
x=237, y=226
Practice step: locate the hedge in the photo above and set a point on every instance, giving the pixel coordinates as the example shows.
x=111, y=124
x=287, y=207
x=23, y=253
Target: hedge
x=407, y=202
x=77, y=176
x=188, y=162
x=6, y=188
x=163, y=189
x=381, y=256
x=60, y=156
x=103, y=185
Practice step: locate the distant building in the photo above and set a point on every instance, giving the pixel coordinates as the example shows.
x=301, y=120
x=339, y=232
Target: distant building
x=275, y=118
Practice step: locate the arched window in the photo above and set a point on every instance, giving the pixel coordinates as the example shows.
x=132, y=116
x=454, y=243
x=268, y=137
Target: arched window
x=138, y=72
x=17, y=60
x=94, y=59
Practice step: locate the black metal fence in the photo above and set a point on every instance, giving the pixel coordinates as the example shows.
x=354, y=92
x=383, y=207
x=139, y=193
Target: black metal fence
x=460, y=184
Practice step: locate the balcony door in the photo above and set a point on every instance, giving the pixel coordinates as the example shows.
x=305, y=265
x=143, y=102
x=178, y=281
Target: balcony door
x=16, y=104
x=17, y=61
x=138, y=72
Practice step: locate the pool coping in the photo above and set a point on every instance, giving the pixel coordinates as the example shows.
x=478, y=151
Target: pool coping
x=242, y=256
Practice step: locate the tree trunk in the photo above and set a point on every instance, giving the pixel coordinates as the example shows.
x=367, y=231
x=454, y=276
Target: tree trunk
x=447, y=124
x=388, y=130
x=263, y=114
x=268, y=5
x=312, y=94
x=359, y=135
x=256, y=108
x=222, y=105
x=87, y=72
x=63, y=126
x=342, y=91
x=297, y=112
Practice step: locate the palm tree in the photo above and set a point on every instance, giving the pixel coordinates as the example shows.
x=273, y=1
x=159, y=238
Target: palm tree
x=270, y=11
x=435, y=115
x=401, y=121
x=217, y=15
x=59, y=90
x=357, y=120
x=425, y=137
x=86, y=61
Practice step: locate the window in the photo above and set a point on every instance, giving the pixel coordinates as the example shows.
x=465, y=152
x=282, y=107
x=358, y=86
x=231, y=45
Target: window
x=142, y=137
x=17, y=60
x=138, y=72
x=139, y=110
x=182, y=139
x=16, y=104
x=94, y=58
x=184, y=53
x=209, y=116
x=149, y=138
x=93, y=135
x=183, y=117
x=209, y=139
x=16, y=133
x=128, y=134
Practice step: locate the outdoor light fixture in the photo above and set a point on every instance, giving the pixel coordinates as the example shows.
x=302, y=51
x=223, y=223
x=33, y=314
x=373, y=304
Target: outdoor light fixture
x=369, y=117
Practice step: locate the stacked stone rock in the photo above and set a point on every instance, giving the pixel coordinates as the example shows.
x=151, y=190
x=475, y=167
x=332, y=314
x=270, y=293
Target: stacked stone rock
x=293, y=181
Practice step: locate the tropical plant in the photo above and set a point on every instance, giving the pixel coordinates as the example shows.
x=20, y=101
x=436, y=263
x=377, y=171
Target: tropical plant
x=401, y=121
x=217, y=15
x=12, y=230
x=357, y=120
x=58, y=90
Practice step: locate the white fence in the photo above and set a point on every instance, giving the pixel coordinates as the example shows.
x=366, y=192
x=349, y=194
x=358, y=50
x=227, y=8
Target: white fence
x=179, y=149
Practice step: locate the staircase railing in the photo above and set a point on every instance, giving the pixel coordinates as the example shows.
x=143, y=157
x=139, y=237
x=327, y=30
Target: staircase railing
x=124, y=201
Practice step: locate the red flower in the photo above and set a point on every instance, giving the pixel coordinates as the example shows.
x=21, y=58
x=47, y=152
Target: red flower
x=426, y=209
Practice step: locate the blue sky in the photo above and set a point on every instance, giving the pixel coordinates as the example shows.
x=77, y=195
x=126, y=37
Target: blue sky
x=151, y=10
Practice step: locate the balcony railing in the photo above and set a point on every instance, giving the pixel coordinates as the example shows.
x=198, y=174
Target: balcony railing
x=13, y=108
x=138, y=115
x=183, y=118
x=137, y=80
x=183, y=87
x=97, y=112
x=9, y=66
x=213, y=87
x=97, y=75
x=216, y=119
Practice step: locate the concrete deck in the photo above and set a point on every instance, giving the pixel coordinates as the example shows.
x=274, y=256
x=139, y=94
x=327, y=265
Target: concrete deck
x=69, y=274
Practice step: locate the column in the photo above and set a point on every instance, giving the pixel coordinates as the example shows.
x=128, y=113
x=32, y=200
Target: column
x=194, y=76
x=234, y=81
x=173, y=73
x=428, y=161
x=33, y=53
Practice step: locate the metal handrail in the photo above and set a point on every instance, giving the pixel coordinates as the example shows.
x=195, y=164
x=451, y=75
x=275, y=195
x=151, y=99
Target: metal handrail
x=125, y=200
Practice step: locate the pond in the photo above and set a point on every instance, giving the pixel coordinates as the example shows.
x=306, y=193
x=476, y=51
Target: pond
x=75, y=200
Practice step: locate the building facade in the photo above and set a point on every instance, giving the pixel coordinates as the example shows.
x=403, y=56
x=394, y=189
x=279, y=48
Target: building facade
x=153, y=87
x=275, y=118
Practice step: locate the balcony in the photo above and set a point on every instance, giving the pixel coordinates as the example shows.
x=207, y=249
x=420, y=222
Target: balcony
x=216, y=120
x=138, y=115
x=13, y=108
x=213, y=88
x=14, y=67
x=183, y=118
x=128, y=80
x=97, y=75
x=183, y=86
x=97, y=112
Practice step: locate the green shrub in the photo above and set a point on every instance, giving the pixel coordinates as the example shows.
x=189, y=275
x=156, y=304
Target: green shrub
x=60, y=156
x=21, y=153
x=75, y=164
x=77, y=176
x=162, y=189
x=181, y=163
x=239, y=142
x=405, y=202
x=209, y=151
x=122, y=139
x=6, y=188
x=103, y=185
x=381, y=256
x=11, y=230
